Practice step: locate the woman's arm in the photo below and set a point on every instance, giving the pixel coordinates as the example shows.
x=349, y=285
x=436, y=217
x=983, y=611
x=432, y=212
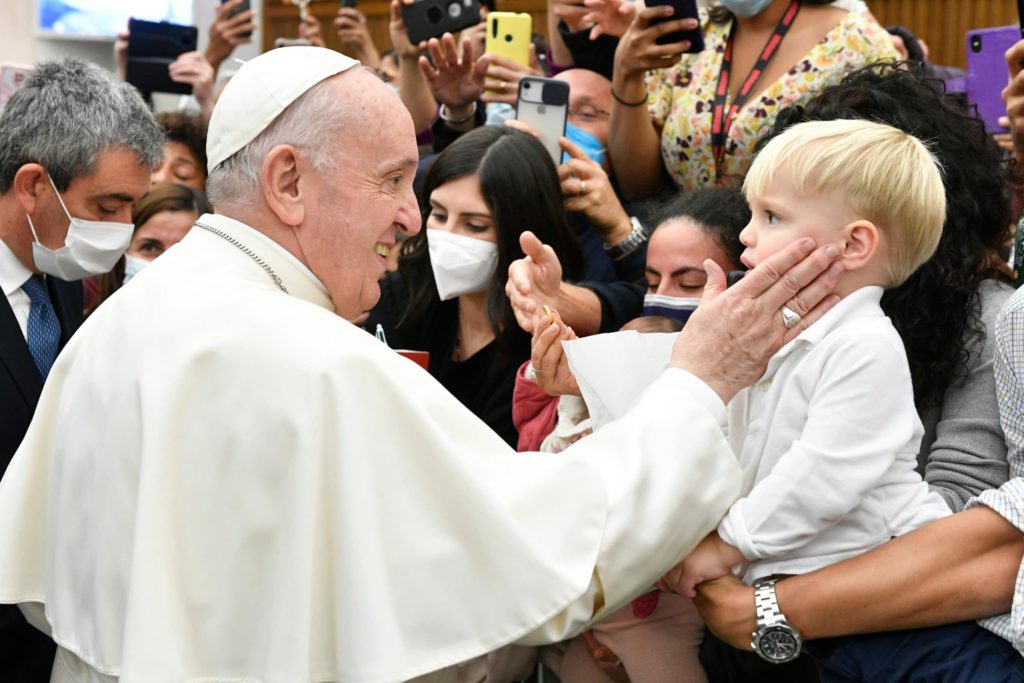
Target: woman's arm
x=958, y=568
x=968, y=454
x=633, y=142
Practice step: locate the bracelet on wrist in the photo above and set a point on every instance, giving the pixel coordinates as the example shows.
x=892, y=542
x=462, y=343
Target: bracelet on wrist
x=443, y=114
x=624, y=103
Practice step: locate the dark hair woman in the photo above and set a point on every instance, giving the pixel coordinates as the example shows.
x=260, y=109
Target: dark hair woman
x=448, y=295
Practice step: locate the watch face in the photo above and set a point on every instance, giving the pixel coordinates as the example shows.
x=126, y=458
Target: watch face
x=778, y=644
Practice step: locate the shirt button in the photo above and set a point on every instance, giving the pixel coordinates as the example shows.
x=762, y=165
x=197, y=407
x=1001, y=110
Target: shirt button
x=764, y=384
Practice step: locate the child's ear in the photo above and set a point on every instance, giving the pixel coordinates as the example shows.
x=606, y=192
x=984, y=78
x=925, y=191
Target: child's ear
x=860, y=242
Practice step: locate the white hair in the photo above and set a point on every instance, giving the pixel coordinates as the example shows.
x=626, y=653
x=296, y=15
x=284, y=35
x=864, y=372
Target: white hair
x=307, y=124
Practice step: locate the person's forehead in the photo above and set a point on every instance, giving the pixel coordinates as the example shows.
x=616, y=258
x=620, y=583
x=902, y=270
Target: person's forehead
x=118, y=174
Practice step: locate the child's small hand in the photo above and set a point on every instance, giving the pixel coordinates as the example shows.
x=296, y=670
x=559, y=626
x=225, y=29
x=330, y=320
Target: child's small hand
x=711, y=559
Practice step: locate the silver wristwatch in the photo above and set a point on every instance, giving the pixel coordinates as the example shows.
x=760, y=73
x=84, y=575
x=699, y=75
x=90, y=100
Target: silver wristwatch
x=637, y=236
x=773, y=639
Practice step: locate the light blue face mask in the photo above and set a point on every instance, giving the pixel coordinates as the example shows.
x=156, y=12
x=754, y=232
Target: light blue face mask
x=745, y=8
x=588, y=142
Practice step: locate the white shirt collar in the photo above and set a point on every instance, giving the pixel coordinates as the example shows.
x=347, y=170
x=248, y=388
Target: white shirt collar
x=859, y=303
x=13, y=273
x=309, y=287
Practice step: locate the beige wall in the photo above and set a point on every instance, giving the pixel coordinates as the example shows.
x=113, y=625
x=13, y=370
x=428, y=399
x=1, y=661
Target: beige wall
x=16, y=41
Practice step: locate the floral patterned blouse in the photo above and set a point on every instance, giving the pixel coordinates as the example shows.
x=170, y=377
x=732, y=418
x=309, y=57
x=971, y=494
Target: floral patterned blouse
x=681, y=97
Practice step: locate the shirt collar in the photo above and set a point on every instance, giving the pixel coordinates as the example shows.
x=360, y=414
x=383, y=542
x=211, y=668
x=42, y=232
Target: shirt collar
x=860, y=303
x=296, y=277
x=13, y=273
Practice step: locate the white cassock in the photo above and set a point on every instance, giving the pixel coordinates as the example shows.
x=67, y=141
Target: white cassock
x=227, y=483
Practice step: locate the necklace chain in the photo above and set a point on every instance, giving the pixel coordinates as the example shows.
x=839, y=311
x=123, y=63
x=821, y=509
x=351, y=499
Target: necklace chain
x=247, y=251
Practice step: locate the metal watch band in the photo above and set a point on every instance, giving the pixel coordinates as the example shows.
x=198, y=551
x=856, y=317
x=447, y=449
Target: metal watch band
x=637, y=236
x=765, y=602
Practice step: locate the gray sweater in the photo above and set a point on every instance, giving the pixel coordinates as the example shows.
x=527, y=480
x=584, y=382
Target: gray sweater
x=963, y=451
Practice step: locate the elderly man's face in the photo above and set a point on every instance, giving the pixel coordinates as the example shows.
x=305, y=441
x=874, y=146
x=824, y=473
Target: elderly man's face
x=362, y=205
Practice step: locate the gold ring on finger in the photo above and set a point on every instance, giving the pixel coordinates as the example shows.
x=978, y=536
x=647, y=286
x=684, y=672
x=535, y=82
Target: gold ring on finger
x=583, y=186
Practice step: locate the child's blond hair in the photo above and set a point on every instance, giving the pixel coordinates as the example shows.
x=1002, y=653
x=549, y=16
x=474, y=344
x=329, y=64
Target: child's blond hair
x=883, y=175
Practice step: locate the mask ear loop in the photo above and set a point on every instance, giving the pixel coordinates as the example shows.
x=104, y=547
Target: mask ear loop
x=59, y=198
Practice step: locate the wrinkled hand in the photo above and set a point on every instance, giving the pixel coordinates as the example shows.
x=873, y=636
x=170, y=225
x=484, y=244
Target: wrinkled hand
x=356, y=40
x=711, y=559
x=503, y=76
x=548, y=358
x=1013, y=96
x=309, y=29
x=609, y=17
x=193, y=69
x=587, y=189
x=227, y=32
x=400, y=34
x=455, y=80
x=727, y=607
x=571, y=11
x=121, y=53
x=638, y=52
x=533, y=281
x=729, y=339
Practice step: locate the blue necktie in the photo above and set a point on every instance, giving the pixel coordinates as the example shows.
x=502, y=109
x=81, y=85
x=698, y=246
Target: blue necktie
x=43, y=326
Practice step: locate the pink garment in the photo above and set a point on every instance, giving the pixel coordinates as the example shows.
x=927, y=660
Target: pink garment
x=534, y=412
x=663, y=647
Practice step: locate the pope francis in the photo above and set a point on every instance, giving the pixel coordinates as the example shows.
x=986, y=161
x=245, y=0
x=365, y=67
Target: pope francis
x=225, y=481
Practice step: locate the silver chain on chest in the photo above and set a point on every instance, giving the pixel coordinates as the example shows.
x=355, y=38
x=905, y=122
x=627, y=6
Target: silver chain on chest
x=247, y=251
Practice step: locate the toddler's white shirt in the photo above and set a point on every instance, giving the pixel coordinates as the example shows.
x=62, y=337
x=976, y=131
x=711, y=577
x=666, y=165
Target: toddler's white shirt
x=828, y=441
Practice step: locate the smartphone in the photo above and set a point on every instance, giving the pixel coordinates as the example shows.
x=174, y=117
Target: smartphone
x=987, y=73
x=426, y=19
x=152, y=46
x=352, y=3
x=245, y=6
x=509, y=34
x=543, y=104
x=684, y=9
x=1020, y=16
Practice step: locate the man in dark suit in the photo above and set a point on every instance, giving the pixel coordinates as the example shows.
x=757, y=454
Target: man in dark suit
x=77, y=148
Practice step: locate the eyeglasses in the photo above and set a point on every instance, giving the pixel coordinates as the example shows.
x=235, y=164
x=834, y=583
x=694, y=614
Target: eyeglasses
x=589, y=114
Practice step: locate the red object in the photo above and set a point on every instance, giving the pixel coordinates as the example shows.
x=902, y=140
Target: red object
x=420, y=358
x=534, y=412
x=645, y=605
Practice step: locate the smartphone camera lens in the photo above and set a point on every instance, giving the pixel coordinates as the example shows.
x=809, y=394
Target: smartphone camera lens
x=454, y=10
x=975, y=44
x=508, y=37
x=434, y=15
x=526, y=85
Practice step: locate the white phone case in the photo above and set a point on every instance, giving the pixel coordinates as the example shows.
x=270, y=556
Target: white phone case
x=544, y=105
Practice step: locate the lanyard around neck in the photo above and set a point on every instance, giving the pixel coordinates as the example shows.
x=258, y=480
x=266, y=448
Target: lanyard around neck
x=721, y=120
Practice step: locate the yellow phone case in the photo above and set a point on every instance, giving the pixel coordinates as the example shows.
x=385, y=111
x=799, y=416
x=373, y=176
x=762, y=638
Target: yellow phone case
x=509, y=34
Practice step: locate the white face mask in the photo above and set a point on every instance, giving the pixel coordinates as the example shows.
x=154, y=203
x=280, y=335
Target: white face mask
x=745, y=8
x=132, y=266
x=90, y=248
x=462, y=265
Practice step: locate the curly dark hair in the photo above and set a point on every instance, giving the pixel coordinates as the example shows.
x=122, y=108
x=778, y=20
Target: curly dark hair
x=937, y=311
x=721, y=211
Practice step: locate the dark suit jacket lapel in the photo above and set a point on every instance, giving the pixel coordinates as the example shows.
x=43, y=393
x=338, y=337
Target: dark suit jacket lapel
x=67, y=302
x=15, y=356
